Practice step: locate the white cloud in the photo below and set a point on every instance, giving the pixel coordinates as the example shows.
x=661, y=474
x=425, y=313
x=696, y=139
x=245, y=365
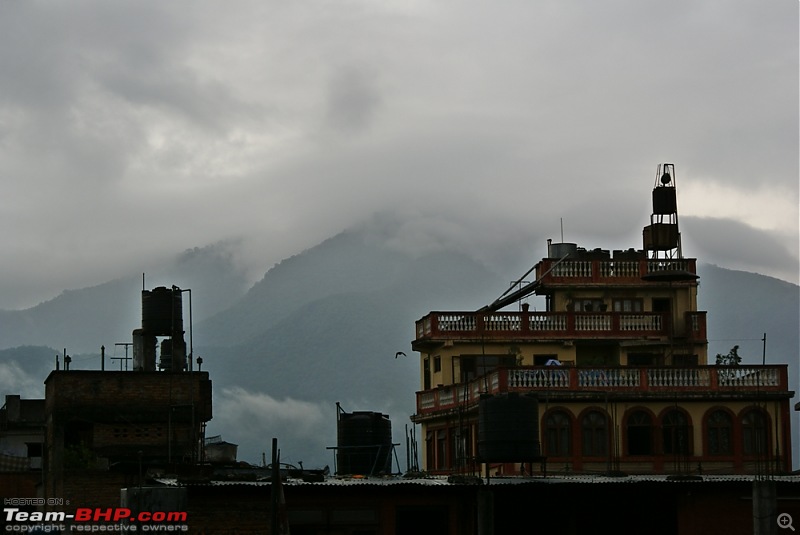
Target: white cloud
x=304, y=429
x=15, y=380
x=763, y=207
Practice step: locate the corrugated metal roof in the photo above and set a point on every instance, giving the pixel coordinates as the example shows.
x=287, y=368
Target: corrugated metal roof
x=518, y=480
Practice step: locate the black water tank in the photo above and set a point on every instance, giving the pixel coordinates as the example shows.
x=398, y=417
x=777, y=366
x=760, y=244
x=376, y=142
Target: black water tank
x=162, y=311
x=660, y=236
x=173, y=354
x=364, y=444
x=664, y=201
x=508, y=428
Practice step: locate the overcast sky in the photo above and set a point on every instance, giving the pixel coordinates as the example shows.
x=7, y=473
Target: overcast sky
x=130, y=131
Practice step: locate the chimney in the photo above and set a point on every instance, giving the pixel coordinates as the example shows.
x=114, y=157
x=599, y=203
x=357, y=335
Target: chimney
x=12, y=408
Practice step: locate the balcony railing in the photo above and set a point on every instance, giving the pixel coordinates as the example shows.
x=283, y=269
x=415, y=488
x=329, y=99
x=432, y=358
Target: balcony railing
x=609, y=271
x=554, y=379
x=556, y=325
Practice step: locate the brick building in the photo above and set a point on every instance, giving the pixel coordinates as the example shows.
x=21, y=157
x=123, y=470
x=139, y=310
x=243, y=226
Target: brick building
x=122, y=423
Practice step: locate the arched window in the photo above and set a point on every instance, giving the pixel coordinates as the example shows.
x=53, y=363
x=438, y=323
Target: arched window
x=639, y=433
x=755, y=433
x=594, y=434
x=719, y=427
x=558, y=434
x=676, y=433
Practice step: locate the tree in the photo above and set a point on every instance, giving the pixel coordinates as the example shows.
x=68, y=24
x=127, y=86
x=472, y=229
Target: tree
x=731, y=359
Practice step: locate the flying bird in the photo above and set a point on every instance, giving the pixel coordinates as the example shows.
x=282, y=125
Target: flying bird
x=398, y=354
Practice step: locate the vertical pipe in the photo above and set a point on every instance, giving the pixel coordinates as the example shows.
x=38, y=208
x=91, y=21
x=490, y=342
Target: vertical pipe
x=408, y=458
x=764, y=507
x=274, y=489
x=485, y=511
x=103, y=358
x=191, y=345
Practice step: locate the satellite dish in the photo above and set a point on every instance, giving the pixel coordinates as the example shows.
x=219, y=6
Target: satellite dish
x=666, y=179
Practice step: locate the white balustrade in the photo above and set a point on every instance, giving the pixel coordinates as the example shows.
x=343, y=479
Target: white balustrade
x=678, y=377
x=503, y=322
x=476, y=389
x=667, y=265
x=456, y=322
x=427, y=400
x=747, y=377
x=547, y=322
x=446, y=396
x=592, y=322
x=640, y=322
x=626, y=269
x=608, y=378
x=611, y=378
x=577, y=268
x=538, y=378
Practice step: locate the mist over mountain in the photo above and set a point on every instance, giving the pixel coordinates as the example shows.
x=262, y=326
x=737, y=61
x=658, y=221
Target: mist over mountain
x=83, y=320
x=324, y=326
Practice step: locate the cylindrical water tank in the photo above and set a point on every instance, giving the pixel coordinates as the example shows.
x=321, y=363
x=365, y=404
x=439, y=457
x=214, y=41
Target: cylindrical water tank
x=364, y=443
x=173, y=354
x=558, y=250
x=162, y=311
x=144, y=351
x=508, y=428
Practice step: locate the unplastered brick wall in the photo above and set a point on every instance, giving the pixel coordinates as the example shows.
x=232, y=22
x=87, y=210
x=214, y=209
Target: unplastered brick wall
x=123, y=390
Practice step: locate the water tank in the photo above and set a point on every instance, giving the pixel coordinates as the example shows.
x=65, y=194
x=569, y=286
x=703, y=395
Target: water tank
x=364, y=443
x=660, y=236
x=173, y=354
x=508, y=428
x=221, y=452
x=162, y=311
x=664, y=201
x=629, y=255
x=596, y=254
x=144, y=351
x=558, y=250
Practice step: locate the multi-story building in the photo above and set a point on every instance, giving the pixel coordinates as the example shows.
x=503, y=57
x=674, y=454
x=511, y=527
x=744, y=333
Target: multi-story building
x=612, y=376
x=106, y=429
x=21, y=438
x=21, y=433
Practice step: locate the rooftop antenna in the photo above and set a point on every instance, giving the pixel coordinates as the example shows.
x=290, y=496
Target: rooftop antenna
x=126, y=358
x=562, y=230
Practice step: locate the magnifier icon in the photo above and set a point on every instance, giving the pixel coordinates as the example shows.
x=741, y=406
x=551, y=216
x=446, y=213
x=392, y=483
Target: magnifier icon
x=785, y=521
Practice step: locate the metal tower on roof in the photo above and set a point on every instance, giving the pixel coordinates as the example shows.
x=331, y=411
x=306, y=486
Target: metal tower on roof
x=662, y=237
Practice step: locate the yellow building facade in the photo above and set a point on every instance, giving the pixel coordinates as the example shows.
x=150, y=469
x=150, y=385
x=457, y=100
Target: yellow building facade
x=615, y=369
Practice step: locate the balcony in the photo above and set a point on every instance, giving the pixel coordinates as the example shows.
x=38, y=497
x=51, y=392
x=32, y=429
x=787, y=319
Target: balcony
x=711, y=381
x=551, y=271
x=441, y=326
